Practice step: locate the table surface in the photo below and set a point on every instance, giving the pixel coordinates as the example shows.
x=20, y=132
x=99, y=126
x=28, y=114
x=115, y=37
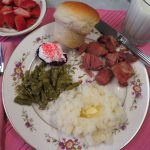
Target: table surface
x=112, y=5
x=100, y=4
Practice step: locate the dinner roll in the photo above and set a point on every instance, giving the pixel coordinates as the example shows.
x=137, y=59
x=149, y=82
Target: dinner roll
x=77, y=20
x=68, y=37
x=77, y=16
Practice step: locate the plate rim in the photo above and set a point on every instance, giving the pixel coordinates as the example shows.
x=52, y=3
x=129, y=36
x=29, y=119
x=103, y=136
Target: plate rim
x=9, y=118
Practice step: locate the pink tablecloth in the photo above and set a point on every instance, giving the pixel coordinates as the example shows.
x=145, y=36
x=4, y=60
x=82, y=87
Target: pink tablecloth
x=10, y=140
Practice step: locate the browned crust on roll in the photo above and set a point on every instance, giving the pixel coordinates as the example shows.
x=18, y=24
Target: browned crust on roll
x=81, y=9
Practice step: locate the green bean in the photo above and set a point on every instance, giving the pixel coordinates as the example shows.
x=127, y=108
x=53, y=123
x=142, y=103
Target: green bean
x=44, y=84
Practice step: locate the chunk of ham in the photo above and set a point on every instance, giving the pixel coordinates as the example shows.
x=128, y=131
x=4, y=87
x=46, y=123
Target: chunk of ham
x=102, y=56
x=104, y=76
x=96, y=49
x=123, y=71
x=126, y=56
x=110, y=42
x=112, y=58
x=82, y=48
x=91, y=62
x=89, y=72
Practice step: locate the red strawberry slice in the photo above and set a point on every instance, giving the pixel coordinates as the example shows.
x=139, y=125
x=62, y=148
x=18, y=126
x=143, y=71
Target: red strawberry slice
x=20, y=23
x=1, y=19
x=31, y=21
x=1, y=5
x=18, y=2
x=36, y=11
x=28, y=4
x=22, y=12
x=9, y=20
x=7, y=2
x=6, y=9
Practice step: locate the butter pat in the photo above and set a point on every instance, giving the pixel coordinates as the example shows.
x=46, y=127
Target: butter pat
x=91, y=111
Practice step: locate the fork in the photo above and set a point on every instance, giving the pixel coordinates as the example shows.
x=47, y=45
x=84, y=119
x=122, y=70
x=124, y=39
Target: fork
x=1, y=59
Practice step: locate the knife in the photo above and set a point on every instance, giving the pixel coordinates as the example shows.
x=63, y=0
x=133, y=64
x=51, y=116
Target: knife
x=105, y=29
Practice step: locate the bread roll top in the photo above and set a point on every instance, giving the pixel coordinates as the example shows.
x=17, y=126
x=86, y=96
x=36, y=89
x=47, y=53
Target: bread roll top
x=77, y=16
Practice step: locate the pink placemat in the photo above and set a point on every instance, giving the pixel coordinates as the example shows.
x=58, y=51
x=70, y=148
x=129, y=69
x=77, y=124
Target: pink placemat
x=10, y=140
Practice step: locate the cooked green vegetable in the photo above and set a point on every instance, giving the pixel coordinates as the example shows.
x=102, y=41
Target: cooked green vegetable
x=43, y=85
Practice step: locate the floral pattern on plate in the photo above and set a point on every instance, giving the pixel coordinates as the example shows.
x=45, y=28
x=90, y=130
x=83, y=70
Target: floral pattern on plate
x=66, y=144
x=19, y=69
x=28, y=121
x=121, y=127
x=136, y=85
x=42, y=39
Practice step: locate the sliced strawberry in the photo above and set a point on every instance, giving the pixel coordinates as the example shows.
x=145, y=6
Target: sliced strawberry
x=28, y=4
x=1, y=5
x=36, y=11
x=9, y=20
x=18, y=2
x=31, y=21
x=20, y=23
x=1, y=19
x=6, y=9
x=6, y=2
x=22, y=12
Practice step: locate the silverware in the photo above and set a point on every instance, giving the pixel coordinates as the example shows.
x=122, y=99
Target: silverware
x=1, y=59
x=105, y=29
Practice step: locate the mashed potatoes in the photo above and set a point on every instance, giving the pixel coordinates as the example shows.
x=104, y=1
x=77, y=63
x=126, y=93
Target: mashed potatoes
x=89, y=112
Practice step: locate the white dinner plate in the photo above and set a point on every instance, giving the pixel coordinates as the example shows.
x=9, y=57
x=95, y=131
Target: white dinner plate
x=33, y=127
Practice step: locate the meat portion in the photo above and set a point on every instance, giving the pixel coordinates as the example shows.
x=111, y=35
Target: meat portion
x=82, y=48
x=104, y=76
x=104, y=57
x=103, y=39
x=91, y=62
x=96, y=49
x=126, y=56
x=112, y=58
x=110, y=42
x=89, y=72
x=123, y=71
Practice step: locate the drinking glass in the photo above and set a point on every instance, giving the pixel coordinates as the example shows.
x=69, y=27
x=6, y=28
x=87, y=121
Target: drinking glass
x=136, y=26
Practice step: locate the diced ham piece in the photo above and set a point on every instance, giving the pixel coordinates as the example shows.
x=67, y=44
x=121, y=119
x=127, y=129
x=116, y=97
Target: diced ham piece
x=104, y=76
x=126, y=56
x=89, y=72
x=112, y=58
x=102, y=56
x=110, y=42
x=123, y=71
x=103, y=39
x=96, y=49
x=82, y=48
x=92, y=62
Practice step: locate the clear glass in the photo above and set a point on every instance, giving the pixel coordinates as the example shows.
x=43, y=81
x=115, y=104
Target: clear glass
x=136, y=26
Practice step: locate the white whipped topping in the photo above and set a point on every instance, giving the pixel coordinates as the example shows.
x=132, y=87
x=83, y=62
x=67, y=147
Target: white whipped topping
x=55, y=52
